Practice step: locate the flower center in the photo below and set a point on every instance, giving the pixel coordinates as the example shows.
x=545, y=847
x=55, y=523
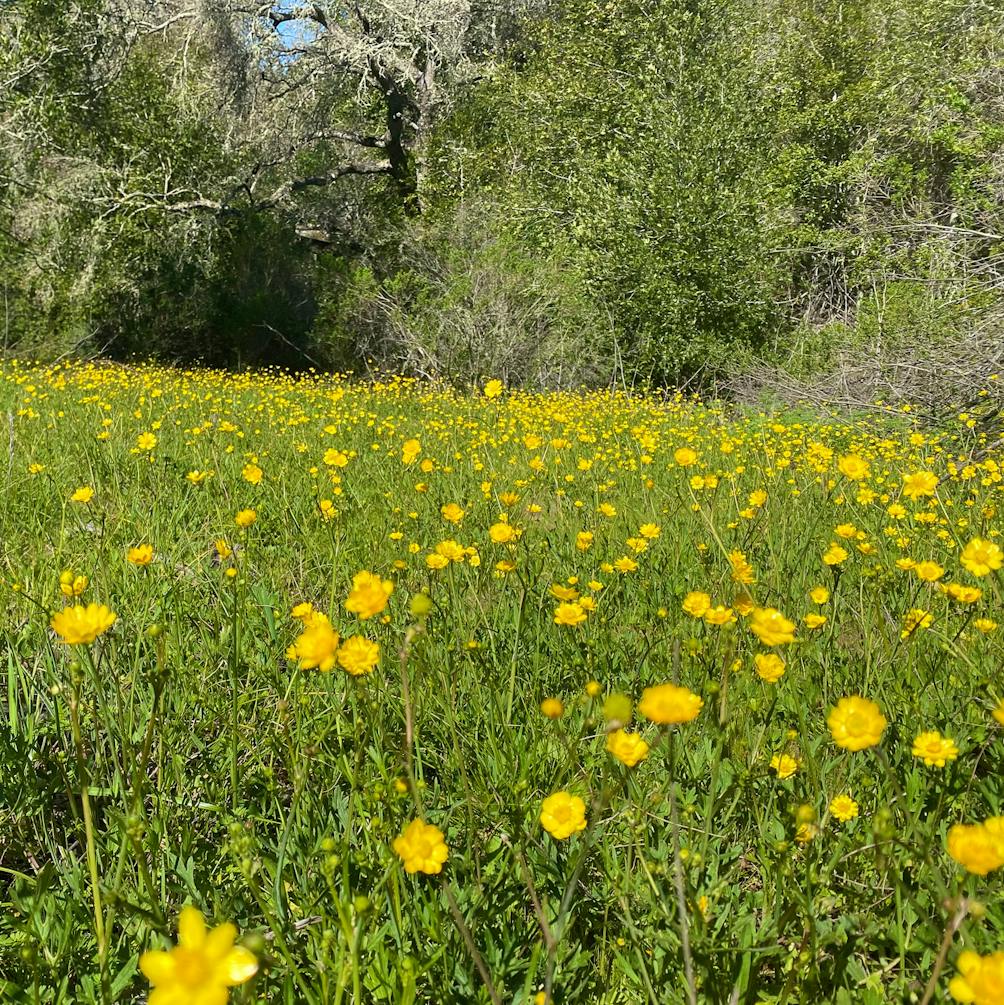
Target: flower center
x=192, y=969
x=857, y=723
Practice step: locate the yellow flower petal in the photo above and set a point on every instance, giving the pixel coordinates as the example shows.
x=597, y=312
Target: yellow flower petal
x=157, y=966
x=241, y=965
x=164, y=996
x=959, y=989
x=220, y=941
x=191, y=928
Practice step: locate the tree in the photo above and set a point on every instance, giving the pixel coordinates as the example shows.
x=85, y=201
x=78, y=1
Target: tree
x=143, y=142
x=635, y=140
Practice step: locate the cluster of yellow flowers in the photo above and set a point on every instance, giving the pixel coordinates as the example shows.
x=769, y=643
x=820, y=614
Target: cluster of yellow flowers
x=659, y=536
x=319, y=646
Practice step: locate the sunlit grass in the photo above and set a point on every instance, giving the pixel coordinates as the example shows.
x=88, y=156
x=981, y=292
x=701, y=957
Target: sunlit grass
x=685, y=703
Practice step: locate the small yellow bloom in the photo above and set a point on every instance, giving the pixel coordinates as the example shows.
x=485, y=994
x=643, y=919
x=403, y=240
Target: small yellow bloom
x=252, y=474
x=981, y=557
x=410, y=451
x=201, y=968
x=628, y=748
x=369, y=595
x=452, y=513
x=719, y=615
x=928, y=572
x=854, y=467
x=783, y=765
x=843, y=808
x=685, y=457
x=83, y=495
x=978, y=848
x=769, y=667
x=142, y=554
x=71, y=585
x=451, y=550
x=916, y=618
x=422, y=848
x=563, y=815
x=834, y=555
x=80, y=625
x=743, y=603
x=980, y=979
x=806, y=832
x=920, y=483
x=317, y=646
x=856, y=723
x=552, y=708
x=819, y=594
x=358, y=655
x=934, y=749
x=814, y=620
x=502, y=533
x=245, y=518
x=569, y=614
x=742, y=571
x=771, y=627
x=493, y=389
x=669, y=704
x=963, y=594
x=696, y=604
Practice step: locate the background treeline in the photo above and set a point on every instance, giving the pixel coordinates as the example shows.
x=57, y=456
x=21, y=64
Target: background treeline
x=545, y=191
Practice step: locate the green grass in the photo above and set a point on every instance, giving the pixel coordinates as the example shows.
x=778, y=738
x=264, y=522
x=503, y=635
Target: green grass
x=217, y=773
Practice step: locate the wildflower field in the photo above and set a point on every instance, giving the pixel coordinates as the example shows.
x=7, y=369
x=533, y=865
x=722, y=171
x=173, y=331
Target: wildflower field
x=328, y=692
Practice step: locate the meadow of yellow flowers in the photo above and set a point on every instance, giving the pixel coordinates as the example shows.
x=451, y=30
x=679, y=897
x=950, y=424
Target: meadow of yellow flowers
x=322, y=691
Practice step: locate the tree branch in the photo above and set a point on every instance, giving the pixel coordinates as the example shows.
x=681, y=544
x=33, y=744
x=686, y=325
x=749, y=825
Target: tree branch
x=310, y=12
x=211, y=205
x=376, y=142
x=327, y=178
x=152, y=29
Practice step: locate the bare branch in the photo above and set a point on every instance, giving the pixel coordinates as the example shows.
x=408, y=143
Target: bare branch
x=164, y=25
x=327, y=178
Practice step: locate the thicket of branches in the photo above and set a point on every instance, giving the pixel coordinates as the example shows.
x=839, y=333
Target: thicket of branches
x=553, y=191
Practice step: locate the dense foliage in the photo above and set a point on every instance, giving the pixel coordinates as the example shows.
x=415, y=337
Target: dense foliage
x=688, y=184
x=453, y=698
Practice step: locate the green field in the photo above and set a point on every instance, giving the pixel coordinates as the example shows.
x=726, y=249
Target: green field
x=222, y=745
